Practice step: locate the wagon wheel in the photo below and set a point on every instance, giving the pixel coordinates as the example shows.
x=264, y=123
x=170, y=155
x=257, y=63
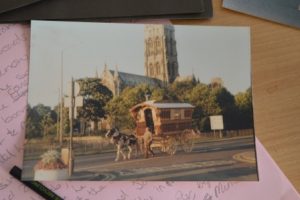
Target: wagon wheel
x=171, y=146
x=187, y=140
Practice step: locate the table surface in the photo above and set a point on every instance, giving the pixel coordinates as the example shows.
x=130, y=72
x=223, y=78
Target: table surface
x=275, y=52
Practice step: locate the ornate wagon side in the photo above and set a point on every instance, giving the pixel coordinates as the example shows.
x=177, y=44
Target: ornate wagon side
x=170, y=124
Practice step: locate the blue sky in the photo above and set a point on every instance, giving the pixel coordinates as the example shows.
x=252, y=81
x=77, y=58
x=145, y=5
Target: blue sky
x=203, y=50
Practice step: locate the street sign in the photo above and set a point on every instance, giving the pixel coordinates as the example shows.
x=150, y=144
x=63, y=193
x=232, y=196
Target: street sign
x=67, y=102
x=79, y=101
x=216, y=122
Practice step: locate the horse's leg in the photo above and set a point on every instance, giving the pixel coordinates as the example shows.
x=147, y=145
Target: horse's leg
x=137, y=146
x=118, y=153
x=123, y=154
x=129, y=152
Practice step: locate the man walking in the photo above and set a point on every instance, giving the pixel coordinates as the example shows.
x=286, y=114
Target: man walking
x=147, y=142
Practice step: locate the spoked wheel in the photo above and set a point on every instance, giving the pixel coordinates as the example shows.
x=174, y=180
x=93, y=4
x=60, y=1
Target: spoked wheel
x=187, y=140
x=171, y=146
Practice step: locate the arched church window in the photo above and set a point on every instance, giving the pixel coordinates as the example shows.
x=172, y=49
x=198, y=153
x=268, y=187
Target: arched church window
x=157, y=42
x=151, y=69
x=150, y=42
x=157, y=68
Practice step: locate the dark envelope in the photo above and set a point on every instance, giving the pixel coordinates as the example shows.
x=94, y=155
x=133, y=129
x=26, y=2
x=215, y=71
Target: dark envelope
x=281, y=11
x=25, y=10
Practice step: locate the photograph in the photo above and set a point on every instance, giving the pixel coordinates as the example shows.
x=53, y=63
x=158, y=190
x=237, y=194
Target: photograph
x=139, y=102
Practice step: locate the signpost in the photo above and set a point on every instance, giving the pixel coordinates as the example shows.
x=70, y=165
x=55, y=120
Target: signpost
x=216, y=123
x=72, y=101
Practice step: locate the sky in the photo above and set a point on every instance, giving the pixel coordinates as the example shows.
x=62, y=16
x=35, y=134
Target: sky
x=84, y=48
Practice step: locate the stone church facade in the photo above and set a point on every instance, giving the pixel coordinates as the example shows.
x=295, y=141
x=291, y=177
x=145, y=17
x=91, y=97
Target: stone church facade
x=117, y=81
x=160, y=57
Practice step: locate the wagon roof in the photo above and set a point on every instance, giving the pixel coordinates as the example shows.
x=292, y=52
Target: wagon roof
x=161, y=105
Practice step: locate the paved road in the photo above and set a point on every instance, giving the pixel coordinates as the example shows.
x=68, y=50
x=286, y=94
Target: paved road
x=217, y=160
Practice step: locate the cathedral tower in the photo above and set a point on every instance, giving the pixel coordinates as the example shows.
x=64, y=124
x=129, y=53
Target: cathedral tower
x=160, y=53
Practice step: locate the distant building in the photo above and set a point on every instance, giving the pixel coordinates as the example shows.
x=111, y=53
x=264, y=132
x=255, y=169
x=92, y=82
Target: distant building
x=161, y=53
x=161, y=64
x=189, y=78
x=117, y=81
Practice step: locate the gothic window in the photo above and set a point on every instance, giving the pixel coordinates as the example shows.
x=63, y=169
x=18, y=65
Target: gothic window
x=157, y=68
x=158, y=45
x=151, y=69
x=150, y=45
x=157, y=42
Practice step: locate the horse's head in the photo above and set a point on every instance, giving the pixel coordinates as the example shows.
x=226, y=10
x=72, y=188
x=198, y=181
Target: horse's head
x=111, y=132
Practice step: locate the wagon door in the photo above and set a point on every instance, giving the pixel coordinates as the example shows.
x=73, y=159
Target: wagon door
x=149, y=119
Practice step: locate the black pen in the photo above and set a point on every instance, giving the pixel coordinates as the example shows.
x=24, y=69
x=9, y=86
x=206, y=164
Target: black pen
x=36, y=186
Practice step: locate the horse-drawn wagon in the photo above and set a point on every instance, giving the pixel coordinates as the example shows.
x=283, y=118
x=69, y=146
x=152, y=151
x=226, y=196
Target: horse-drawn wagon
x=170, y=124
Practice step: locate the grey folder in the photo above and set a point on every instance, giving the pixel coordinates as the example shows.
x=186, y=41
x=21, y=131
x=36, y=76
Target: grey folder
x=26, y=10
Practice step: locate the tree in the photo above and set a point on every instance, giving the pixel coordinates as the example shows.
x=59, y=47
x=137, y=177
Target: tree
x=118, y=108
x=226, y=103
x=47, y=123
x=205, y=103
x=66, y=120
x=33, y=128
x=163, y=94
x=243, y=102
x=95, y=96
x=40, y=120
x=182, y=89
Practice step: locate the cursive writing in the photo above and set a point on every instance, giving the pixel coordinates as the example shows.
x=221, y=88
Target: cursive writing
x=11, y=132
x=17, y=40
x=13, y=116
x=5, y=28
x=78, y=189
x=221, y=188
x=6, y=183
x=95, y=191
x=14, y=64
x=3, y=107
x=7, y=155
x=185, y=195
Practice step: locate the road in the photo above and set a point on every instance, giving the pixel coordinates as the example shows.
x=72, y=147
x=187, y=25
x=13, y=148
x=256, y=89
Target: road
x=230, y=159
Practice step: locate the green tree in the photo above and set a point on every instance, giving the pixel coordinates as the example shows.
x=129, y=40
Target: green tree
x=226, y=102
x=96, y=96
x=118, y=108
x=182, y=89
x=47, y=123
x=33, y=127
x=163, y=94
x=243, y=102
x=66, y=120
x=40, y=120
x=205, y=102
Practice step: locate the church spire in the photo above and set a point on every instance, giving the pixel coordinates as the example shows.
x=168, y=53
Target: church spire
x=105, y=66
x=117, y=81
x=96, y=73
x=116, y=74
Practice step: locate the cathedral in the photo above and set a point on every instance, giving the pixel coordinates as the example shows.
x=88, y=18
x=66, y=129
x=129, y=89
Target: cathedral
x=160, y=57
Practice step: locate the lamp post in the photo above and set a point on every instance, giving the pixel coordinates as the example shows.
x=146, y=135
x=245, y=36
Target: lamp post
x=147, y=94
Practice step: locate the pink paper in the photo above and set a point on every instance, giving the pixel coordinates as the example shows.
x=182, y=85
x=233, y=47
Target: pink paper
x=14, y=43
